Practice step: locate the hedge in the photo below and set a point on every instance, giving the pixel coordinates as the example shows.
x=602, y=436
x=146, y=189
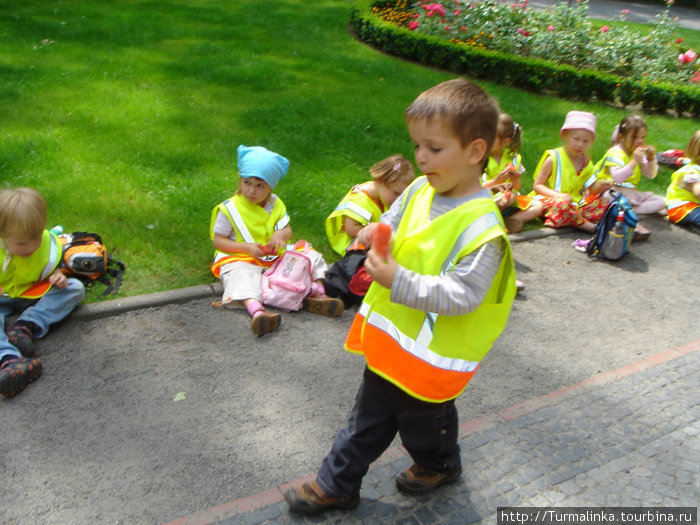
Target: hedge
x=532, y=74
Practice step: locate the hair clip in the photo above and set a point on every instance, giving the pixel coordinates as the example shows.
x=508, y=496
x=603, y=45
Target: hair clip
x=397, y=166
x=516, y=127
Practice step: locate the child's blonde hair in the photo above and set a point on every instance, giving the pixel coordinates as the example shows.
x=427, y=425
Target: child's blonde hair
x=392, y=169
x=465, y=107
x=23, y=213
x=509, y=129
x=693, y=149
x=628, y=127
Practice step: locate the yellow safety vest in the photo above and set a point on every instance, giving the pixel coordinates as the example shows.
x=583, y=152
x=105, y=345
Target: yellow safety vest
x=493, y=168
x=26, y=277
x=564, y=178
x=679, y=201
x=357, y=205
x=617, y=158
x=432, y=357
x=251, y=223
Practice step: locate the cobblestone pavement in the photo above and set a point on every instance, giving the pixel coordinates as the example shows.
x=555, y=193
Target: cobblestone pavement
x=624, y=438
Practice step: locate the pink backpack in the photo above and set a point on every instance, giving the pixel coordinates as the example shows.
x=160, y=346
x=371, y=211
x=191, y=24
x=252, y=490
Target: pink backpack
x=287, y=281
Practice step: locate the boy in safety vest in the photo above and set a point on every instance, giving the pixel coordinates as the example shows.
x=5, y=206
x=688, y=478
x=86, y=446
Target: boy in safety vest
x=438, y=302
x=31, y=283
x=683, y=194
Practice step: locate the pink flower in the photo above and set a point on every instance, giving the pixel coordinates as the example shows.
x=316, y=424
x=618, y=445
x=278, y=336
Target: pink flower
x=550, y=27
x=413, y=25
x=523, y=32
x=687, y=57
x=457, y=12
x=434, y=8
x=604, y=29
x=696, y=77
x=625, y=12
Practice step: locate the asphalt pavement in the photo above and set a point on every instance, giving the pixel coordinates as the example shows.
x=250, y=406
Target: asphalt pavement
x=624, y=437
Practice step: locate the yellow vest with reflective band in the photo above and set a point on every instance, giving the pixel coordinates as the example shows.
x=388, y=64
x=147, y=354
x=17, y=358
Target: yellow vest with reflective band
x=493, y=168
x=616, y=157
x=432, y=357
x=680, y=201
x=358, y=206
x=564, y=178
x=251, y=223
x=26, y=276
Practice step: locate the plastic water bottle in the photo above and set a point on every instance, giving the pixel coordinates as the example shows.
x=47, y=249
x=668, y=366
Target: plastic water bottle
x=614, y=244
x=57, y=230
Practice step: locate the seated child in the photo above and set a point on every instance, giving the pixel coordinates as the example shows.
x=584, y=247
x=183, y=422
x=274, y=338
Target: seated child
x=252, y=225
x=31, y=284
x=625, y=163
x=565, y=179
x=683, y=194
x=366, y=202
x=502, y=175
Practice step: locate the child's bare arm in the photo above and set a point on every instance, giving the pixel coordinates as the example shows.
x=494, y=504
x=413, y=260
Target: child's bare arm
x=351, y=226
x=695, y=188
x=540, y=183
x=280, y=237
x=224, y=244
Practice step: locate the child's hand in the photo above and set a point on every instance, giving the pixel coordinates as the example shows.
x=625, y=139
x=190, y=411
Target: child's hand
x=364, y=236
x=565, y=197
x=256, y=250
x=502, y=176
x=602, y=186
x=58, y=279
x=277, y=242
x=380, y=269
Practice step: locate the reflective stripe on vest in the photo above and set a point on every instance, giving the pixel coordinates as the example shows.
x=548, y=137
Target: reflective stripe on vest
x=401, y=344
x=366, y=215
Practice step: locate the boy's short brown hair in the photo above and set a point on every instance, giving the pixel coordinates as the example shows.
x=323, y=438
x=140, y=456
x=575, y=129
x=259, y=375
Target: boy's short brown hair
x=465, y=107
x=22, y=213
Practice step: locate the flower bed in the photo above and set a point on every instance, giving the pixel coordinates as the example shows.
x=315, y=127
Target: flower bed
x=557, y=50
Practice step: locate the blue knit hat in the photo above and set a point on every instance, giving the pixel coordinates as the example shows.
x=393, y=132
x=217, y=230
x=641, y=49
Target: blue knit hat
x=256, y=161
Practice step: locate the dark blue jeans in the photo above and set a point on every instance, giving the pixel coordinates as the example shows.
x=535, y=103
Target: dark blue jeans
x=428, y=431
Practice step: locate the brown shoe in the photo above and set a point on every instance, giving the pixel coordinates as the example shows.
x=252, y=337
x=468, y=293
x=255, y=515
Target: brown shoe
x=265, y=322
x=420, y=480
x=309, y=498
x=324, y=305
x=17, y=373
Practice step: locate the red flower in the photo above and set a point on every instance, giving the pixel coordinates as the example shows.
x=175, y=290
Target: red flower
x=679, y=41
x=413, y=25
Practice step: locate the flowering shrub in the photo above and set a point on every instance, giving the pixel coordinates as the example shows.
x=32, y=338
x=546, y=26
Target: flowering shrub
x=561, y=33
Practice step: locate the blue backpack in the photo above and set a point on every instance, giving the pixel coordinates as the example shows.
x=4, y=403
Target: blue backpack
x=613, y=234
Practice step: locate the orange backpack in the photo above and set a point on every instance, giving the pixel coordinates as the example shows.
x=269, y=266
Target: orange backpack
x=85, y=257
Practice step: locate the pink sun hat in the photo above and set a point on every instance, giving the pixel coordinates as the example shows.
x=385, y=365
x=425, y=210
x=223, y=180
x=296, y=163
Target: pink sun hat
x=579, y=120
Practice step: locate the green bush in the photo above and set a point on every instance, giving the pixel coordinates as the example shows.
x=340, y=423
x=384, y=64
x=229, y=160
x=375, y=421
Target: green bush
x=533, y=74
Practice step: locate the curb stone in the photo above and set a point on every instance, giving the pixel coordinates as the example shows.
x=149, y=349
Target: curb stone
x=100, y=309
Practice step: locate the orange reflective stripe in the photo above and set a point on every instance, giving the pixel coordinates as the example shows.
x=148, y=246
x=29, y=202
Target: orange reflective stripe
x=216, y=267
x=353, y=341
x=418, y=378
x=36, y=290
x=676, y=214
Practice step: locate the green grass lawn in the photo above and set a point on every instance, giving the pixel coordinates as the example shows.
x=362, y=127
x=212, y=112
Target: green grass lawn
x=126, y=115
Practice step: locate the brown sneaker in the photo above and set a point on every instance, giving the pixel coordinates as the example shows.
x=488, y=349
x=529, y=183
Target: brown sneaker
x=16, y=374
x=309, y=498
x=420, y=480
x=324, y=305
x=265, y=322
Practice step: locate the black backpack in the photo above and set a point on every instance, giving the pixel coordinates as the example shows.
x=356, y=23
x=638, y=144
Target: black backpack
x=338, y=277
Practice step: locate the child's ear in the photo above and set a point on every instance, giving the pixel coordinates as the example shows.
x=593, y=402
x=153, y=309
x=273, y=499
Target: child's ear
x=478, y=151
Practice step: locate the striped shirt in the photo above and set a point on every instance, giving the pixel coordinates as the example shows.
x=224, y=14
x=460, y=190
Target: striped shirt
x=457, y=292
